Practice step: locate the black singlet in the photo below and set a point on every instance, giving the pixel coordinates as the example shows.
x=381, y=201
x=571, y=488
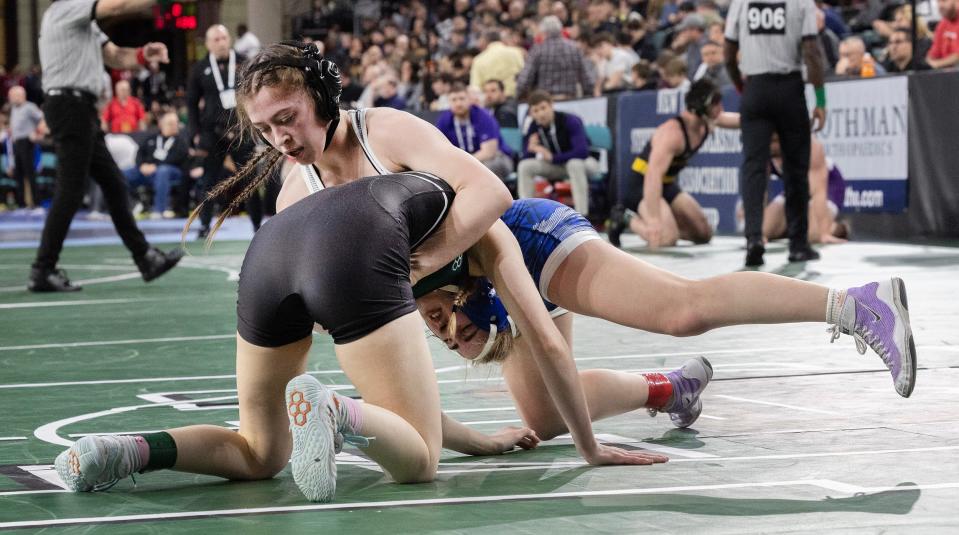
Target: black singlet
x=340, y=258
x=670, y=185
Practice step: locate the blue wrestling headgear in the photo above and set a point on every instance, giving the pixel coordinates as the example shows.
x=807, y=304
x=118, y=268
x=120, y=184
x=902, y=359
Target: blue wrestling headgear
x=484, y=308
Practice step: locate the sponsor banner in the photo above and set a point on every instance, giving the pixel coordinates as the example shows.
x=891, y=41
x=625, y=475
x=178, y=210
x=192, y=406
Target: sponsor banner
x=866, y=136
x=712, y=176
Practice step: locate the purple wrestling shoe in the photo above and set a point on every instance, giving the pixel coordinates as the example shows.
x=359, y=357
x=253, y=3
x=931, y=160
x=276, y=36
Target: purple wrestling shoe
x=689, y=381
x=877, y=315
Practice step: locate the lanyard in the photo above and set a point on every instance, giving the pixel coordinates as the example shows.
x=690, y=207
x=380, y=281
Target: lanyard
x=163, y=147
x=549, y=136
x=470, y=135
x=231, y=71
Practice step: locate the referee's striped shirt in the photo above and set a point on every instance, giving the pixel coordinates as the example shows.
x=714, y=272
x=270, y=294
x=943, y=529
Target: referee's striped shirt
x=71, y=46
x=770, y=33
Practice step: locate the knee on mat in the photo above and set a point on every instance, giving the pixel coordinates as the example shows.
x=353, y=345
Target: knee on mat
x=416, y=471
x=703, y=236
x=265, y=468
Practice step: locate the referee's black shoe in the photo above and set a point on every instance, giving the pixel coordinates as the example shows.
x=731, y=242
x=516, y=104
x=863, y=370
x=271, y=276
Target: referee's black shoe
x=616, y=226
x=803, y=253
x=754, y=252
x=155, y=262
x=50, y=280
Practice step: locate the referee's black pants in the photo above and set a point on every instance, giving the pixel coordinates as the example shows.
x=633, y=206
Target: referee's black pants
x=240, y=151
x=776, y=103
x=82, y=152
x=25, y=172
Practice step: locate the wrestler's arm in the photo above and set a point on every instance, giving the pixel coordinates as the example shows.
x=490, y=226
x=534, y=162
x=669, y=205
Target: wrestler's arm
x=667, y=142
x=819, y=193
x=459, y=437
x=728, y=119
x=501, y=259
x=406, y=142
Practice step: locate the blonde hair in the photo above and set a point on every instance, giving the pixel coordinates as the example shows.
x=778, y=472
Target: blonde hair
x=503, y=344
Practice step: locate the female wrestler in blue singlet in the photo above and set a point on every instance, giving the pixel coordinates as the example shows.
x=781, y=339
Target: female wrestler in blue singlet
x=574, y=270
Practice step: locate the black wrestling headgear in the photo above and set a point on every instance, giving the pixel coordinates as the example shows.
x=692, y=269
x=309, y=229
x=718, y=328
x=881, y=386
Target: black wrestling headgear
x=701, y=95
x=322, y=77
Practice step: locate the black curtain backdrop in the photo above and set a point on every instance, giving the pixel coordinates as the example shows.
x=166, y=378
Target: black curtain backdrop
x=933, y=211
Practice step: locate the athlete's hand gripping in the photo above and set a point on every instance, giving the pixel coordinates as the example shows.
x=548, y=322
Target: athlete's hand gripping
x=510, y=437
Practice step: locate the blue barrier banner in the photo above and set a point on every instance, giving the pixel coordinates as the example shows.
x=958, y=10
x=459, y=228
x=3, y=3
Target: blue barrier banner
x=866, y=136
x=712, y=176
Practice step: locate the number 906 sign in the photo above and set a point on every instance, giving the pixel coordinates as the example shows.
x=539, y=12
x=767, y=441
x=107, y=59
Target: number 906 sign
x=766, y=18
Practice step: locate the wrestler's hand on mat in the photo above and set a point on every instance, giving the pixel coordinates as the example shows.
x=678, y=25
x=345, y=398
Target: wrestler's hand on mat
x=603, y=454
x=510, y=437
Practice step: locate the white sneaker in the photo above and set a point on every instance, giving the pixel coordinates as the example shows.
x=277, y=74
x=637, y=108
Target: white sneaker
x=313, y=416
x=96, y=463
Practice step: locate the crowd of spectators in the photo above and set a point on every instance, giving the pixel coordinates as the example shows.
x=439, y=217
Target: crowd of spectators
x=407, y=54
x=423, y=56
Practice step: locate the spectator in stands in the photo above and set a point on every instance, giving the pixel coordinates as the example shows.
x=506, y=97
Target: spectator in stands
x=26, y=128
x=644, y=77
x=474, y=130
x=674, y=75
x=709, y=11
x=640, y=39
x=502, y=107
x=152, y=86
x=945, y=44
x=247, y=44
x=827, y=40
x=410, y=87
x=716, y=32
x=515, y=15
x=440, y=86
x=159, y=164
x=834, y=20
x=387, y=94
x=211, y=128
x=555, y=66
x=615, y=64
x=33, y=84
x=689, y=38
x=496, y=62
x=902, y=18
x=713, y=66
x=351, y=90
x=600, y=17
x=124, y=113
x=556, y=149
x=855, y=61
x=899, y=53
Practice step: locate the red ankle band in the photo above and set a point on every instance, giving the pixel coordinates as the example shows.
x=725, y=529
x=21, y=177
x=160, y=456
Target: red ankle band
x=660, y=390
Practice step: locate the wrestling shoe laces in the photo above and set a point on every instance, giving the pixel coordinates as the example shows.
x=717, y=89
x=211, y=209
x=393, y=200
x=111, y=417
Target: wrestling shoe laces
x=876, y=315
x=97, y=463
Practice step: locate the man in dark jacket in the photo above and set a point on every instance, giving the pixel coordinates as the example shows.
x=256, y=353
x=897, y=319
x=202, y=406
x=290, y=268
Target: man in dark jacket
x=556, y=149
x=212, y=130
x=160, y=162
